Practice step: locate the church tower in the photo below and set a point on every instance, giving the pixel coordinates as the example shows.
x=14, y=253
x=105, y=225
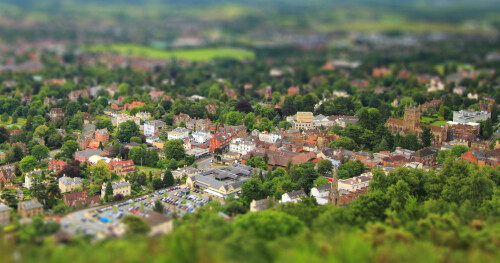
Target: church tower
x=411, y=120
x=334, y=196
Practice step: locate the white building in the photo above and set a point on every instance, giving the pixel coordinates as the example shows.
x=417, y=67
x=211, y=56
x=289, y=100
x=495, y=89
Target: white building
x=240, y=146
x=200, y=137
x=294, y=197
x=178, y=133
x=470, y=116
x=143, y=115
x=321, y=193
x=153, y=128
x=355, y=183
x=270, y=137
x=435, y=85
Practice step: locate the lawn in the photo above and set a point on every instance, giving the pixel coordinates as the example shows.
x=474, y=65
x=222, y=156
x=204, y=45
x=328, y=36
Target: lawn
x=8, y=125
x=439, y=123
x=198, y=54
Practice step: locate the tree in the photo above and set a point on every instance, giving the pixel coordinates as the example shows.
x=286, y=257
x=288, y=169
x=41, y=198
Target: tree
x=72, y=169
x=426, y=136
x=72, y=108
x=321, y=181
x=277, y=224
x=127, y=130
x=174, y=149
x=69, y=148
x=105, y=124
x=168, y=179
x=40, y=152
x=136, y=139
x=28, y=163
x=4, y=134
x=138, y=155
x=214, y=91
x=17, y=154
x=252, y=190
x=458, y=150
x=9, y=195
x=135, y=225
x=109, y=192
x=158, y=207
x=325, y=166
x=41, y=132
x=157, y=183
x=54, y=140
x=265, y=124
x=351, y=169
x=243, y=106
x=249, y=121
x=344, y=142
x=100, y=170
x=5, y=117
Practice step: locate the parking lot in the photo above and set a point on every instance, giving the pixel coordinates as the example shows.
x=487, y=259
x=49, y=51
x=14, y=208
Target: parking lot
x=103, y=221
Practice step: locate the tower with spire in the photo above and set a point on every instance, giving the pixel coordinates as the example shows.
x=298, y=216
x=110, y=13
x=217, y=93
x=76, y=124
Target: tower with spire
x=334, y=197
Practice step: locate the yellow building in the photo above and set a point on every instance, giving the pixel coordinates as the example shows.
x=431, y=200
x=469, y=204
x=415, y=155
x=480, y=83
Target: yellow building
x=67, y=184
x=305, y=121
x=119, y=187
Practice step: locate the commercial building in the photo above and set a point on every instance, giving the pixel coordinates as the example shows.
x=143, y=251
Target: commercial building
x=465, y=116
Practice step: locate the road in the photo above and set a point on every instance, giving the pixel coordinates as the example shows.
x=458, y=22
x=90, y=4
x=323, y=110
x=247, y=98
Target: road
x=204, y=162
x=92, y=221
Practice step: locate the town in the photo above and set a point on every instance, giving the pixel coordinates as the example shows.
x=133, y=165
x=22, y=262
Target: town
x=194, y=137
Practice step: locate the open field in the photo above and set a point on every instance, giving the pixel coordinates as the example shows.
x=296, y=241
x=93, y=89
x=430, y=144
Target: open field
x=199, y=54
x=439, y=123
x=20, y=123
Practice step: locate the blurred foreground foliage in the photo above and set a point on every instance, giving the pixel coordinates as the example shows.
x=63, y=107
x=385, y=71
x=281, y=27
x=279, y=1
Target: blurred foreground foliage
x=407, y=216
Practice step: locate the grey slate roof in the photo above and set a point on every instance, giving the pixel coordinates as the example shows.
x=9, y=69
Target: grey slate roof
x=296, y=194
x=29, y=205
x=90, y=152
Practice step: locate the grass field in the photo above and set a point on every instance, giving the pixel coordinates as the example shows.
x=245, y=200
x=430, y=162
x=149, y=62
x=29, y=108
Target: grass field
x=199, y=54
x=8, y=125
x=439, y=123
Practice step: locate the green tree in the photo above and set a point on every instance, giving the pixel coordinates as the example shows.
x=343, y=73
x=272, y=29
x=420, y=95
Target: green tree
x=109, y=192
x=252, y=190
x=127, y=130
x=28, y=163
x=100, y=170
x=174, y=149
x=269, y=224
x=41, y=132
x=344, y=142
x=5, y=117
x=158, y=207
x=321, y=181
x=40, y=152
x=69, y=148
x=168, y=179
x=426, y=136
x=135, y=226
x=325, y=166
x=157, y=183
x=250, y=121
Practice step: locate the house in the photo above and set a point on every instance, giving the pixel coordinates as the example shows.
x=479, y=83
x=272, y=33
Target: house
x=355, y=183
x=87, y=118
x=293, y=90
x=305, y=121
x=56, y=165
x=186, y=144
x=56, y=113
x=119, y=187
x=28, y=209
x=156, y=94
x=101, y=136
x=4, y=215
x=2, y=156
x=122, y=167
x=223, y=136
x=153, y=128
x=321, y=193
x=272, y=137
x=7, y=174
x=380, y=72
x=129, y=106
x=75, y=94
x=67, y=184
x=160, y=224
x=435, y=85
x=211, y=108
x=261, y=205
x=80, y=199
x=83, y=156
x=181, y=118
x=143, y=115
x=178, y=133
x=294, y=197
x=426, y=156
x=241, y=146
x=121, y=118
x=280, y=158
x=200, y=137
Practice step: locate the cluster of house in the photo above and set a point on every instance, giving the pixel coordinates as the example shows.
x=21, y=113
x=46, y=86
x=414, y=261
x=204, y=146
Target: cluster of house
x=307, y=120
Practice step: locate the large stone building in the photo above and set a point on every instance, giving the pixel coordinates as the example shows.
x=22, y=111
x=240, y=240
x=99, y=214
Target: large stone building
x=119, y=187
x=411, y=124
x=305, y=121
x=29, y=209
x=67, y=184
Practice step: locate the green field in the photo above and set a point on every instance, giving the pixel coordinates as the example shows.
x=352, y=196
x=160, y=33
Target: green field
x=439, y=123
x=199, y=54
x=9, y=125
